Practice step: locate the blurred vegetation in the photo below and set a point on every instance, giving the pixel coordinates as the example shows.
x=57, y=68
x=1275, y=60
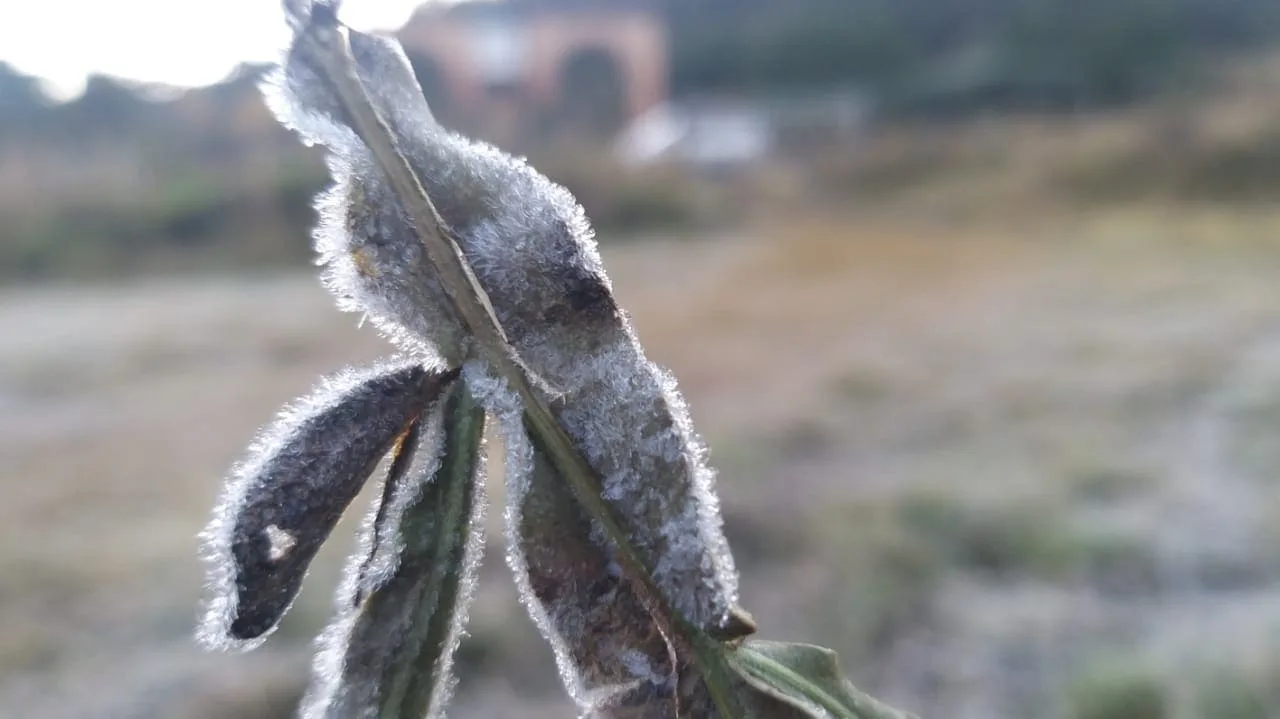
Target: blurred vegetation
x=1025, y=475
x=129, y=178
x=1229, y=693
x=1169, y=109
x=1119, y=689
x=961, y=56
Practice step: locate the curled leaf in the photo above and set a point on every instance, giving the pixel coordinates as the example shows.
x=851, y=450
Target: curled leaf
x=285, y=497
x=803, y=680
x=402, y=607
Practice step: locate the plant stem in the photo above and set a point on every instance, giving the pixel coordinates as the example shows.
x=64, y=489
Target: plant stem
x=328, y=42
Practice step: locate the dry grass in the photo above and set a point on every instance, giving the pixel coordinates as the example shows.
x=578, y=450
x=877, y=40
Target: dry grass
x=972, y=455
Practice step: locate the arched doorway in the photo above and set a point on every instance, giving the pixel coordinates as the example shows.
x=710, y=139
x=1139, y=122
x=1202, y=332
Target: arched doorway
x=593, y=94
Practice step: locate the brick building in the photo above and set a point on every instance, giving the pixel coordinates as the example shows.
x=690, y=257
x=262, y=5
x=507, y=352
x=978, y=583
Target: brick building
x=512, y=70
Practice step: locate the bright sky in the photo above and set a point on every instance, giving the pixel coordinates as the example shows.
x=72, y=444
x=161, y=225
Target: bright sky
x=176, y=42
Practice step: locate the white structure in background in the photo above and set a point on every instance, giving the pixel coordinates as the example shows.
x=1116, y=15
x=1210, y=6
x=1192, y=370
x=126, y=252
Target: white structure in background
x=652, y=135
x=720, y=134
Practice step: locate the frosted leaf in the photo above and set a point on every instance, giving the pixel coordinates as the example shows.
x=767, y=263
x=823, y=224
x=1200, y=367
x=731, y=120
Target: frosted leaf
x=626, y=416
x=282, y=501
x=402, y=605
x=535, y=256
x=526, y=237
x=605, y=643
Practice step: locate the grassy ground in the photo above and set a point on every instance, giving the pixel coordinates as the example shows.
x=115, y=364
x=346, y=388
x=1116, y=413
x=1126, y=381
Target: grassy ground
x=1010, y=467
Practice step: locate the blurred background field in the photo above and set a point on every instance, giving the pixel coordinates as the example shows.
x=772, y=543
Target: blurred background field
x=975, y=302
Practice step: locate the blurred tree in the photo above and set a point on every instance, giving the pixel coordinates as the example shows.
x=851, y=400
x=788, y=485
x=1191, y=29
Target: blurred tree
x=23, y=103
x=1095, y=51
x=19, y=92
x=108, y=108
x=959, y=55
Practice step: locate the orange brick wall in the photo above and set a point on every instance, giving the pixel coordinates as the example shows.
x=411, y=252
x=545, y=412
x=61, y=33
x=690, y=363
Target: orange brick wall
x=636, y=40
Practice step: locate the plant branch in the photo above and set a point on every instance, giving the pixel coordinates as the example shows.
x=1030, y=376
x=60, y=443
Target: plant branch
x=327, y=40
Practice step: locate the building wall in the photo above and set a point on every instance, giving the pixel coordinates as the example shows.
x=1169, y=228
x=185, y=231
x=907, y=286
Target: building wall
x=634, y=39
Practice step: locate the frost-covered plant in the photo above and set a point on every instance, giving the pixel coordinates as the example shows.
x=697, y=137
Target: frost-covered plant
x=486, y=277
